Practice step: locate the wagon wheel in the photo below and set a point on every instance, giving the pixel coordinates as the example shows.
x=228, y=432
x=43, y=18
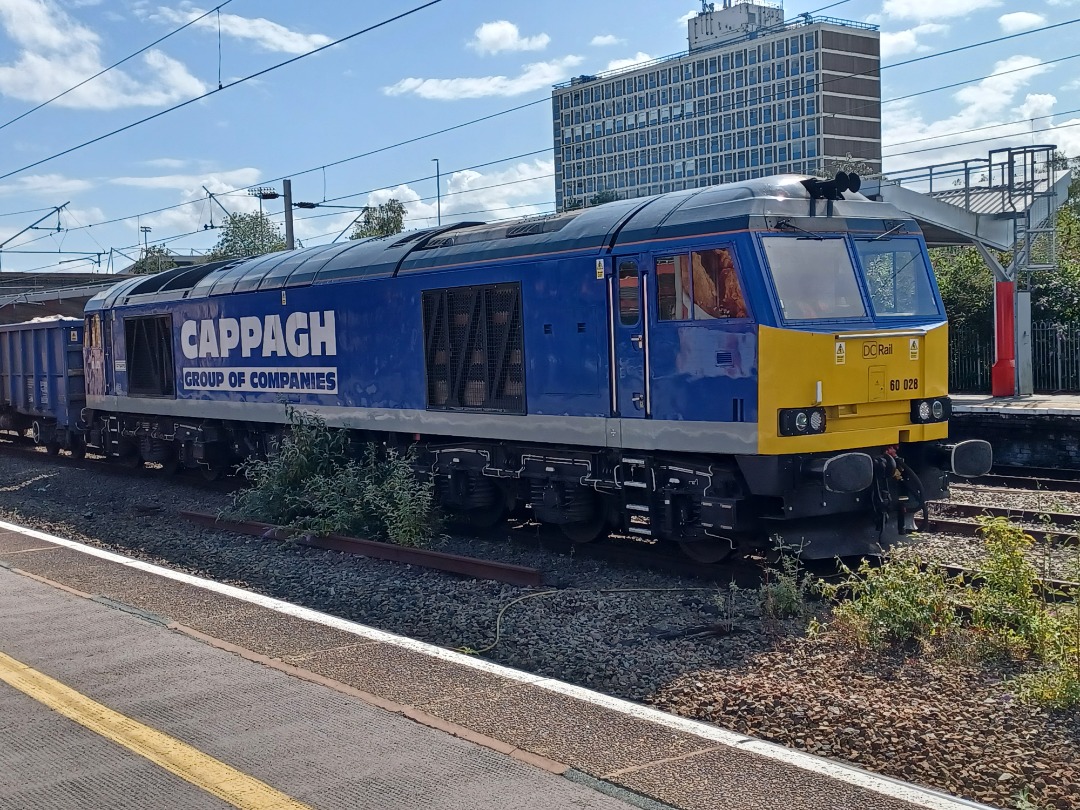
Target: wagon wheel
x=78, y=447
x=52, y=448
x=708, y=551
x=211, y=473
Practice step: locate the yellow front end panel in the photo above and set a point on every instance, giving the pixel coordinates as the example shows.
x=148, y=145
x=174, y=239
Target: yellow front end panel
x=866, y=381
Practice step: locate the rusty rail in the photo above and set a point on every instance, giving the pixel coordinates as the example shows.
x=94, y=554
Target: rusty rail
x=437, y=560
x=967, y=528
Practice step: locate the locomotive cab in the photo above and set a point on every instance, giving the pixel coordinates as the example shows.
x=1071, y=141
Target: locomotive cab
x=854, y=360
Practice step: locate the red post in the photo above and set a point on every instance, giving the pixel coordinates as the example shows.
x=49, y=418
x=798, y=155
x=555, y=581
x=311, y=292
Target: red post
x=1003, y=372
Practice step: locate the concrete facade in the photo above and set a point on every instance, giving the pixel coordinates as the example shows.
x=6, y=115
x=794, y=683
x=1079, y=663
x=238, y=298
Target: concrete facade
x=753, y=96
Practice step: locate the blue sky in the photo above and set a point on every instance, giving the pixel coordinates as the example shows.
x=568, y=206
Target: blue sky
x=450, y=63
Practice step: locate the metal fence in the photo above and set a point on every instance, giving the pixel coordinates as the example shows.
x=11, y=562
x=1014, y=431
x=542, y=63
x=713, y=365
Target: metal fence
x=1055, y=349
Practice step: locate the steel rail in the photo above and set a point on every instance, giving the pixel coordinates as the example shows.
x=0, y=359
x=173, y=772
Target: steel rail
x=1028, y=482
x=425, y=558
x=1065, y=521
x=967, y=528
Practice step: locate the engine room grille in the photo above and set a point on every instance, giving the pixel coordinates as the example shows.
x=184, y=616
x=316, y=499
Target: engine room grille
x=149, y=346
x=474, y=349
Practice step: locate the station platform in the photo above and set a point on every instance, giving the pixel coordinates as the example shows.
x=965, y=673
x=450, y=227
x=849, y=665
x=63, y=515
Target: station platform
x=1035, y=431
x=126, y=685
x=1035, y=405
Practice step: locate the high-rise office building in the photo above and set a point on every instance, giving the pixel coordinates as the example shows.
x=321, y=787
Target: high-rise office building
x=752, y=96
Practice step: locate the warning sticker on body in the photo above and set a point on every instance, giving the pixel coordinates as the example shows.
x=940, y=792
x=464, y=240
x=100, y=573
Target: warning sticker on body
x=841, y=353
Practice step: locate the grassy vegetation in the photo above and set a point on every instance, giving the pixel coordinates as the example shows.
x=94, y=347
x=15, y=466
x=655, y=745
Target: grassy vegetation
x=1002, y=616
x=313, y=483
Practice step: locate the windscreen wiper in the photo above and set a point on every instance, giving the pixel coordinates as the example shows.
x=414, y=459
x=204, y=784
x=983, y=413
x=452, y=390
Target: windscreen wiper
x=888, y=233
x=784, y=224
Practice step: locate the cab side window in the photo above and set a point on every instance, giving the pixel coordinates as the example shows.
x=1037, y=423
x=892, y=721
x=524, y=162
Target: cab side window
x=701, y=285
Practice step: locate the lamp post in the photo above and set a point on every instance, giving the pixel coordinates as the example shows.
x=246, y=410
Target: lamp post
x=438, y=191
x=145, y=229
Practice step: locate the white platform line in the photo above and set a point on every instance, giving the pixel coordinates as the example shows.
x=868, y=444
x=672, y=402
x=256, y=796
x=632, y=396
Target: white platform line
x=886, y=786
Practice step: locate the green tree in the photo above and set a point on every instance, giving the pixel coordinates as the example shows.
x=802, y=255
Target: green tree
x=967, y=287
x=247, y=235
x=153, y=260
x=381, y=220
x=601, y=197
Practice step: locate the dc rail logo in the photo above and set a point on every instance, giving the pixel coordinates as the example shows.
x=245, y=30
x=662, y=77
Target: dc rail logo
x=876, y=350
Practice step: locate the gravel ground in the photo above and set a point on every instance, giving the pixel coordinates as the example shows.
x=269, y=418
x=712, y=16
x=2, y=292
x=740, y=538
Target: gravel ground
x=1035, y=500
x=1054, y=561
x=604, y=627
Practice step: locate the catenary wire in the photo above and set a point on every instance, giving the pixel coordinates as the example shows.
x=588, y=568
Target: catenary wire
x=231, y=84
x=981, y=129
x=103, y=71
x=546, y=99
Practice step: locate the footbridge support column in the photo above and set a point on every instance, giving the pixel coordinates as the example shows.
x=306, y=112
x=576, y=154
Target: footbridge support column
x=1011, y=372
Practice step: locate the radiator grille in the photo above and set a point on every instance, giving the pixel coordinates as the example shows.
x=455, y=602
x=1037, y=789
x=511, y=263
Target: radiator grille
x=474, y=349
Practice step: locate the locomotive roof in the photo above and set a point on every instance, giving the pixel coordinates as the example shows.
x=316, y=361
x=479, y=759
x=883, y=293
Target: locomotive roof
x=598, y=230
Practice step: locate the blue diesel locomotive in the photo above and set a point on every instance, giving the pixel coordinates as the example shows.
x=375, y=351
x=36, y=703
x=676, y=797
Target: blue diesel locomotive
x=718, y=367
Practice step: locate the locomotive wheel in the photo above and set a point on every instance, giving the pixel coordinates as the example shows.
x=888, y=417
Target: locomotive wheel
x=586, y=531
x=133, y=461
x=708, y=551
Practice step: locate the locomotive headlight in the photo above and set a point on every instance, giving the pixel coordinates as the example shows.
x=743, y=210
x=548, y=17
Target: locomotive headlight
x=801, y=421
x=924, y=411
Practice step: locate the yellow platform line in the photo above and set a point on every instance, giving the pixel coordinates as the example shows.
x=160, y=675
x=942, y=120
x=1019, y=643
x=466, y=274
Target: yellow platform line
x=190, y=764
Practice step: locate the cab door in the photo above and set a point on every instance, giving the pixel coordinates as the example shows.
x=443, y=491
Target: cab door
x=629, y=338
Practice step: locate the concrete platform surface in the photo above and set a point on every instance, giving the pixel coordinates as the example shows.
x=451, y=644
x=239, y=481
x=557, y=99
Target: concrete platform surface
x=315, y=745
x=1035, y=405
x=329, y=713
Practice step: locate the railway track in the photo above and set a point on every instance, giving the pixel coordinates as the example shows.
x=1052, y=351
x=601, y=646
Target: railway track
x=1057, y=528
x=1049, y=479
x=20, y=446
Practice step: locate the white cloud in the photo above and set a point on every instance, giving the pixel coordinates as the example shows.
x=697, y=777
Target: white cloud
x=192, y=217
x=603, y=40
x=268, y=35
x=636, y=59
x=520, y=190
x=56, y=52
x=503, y=35
x=1020, y=21
x=685, y=18
x=895, y=43
x=193, y=183
x=536, y=76
x=45, y=185
x=990, y=103
x=1036, y=105
x=930, y=10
